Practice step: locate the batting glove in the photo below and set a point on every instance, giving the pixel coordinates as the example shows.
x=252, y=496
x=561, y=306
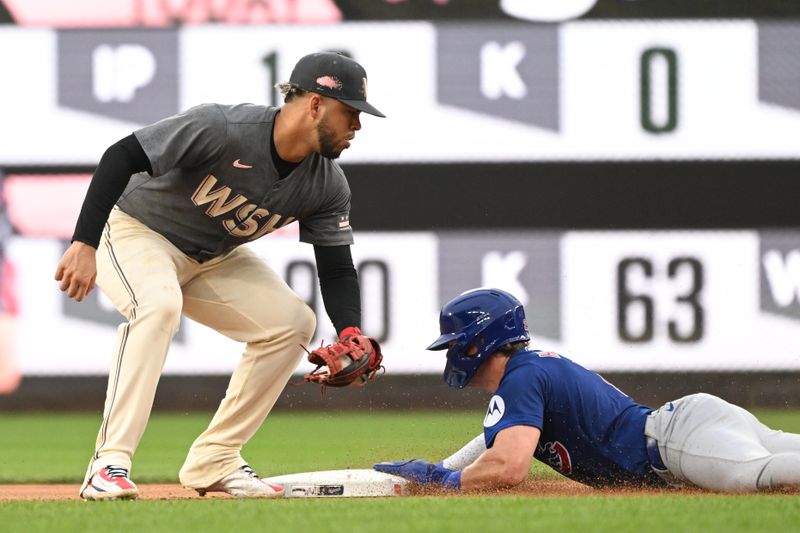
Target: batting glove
x=422, y=472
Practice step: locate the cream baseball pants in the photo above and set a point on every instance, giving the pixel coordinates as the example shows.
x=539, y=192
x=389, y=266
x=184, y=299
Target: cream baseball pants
x=152, y=284
x=708, y=442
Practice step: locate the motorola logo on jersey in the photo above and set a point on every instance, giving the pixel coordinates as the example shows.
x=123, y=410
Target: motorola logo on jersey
x=497, y=407
x=249, y=221
x=556, y=455
x=123, y=74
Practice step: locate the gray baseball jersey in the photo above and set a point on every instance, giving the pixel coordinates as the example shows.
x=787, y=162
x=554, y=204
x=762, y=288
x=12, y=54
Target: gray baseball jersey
x=214, y=185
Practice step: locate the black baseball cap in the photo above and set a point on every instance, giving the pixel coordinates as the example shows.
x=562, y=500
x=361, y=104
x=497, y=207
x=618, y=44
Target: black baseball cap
x=335, y=76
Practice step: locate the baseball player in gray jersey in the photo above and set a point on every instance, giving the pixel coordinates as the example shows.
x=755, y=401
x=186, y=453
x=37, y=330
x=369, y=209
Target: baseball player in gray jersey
x=189, y=190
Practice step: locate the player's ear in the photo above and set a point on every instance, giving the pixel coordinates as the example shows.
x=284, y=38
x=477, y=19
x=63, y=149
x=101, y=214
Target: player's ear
x=314, y=105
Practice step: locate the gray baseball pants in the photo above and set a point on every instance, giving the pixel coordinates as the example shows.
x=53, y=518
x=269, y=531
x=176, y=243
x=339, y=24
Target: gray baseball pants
x=710, y=443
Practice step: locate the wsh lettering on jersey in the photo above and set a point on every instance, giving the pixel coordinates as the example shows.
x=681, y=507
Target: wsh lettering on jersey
x=248, y=220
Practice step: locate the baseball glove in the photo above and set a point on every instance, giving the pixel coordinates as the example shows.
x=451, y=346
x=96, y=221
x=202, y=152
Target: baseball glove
x=354, y=360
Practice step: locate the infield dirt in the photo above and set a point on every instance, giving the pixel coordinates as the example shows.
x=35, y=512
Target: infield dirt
x=541, y=488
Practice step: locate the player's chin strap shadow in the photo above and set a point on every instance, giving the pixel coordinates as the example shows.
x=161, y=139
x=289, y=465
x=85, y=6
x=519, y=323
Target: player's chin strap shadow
x=353, y=375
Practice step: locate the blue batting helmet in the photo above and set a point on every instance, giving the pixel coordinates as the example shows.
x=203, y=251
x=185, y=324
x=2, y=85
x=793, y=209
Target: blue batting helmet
x=485, y=318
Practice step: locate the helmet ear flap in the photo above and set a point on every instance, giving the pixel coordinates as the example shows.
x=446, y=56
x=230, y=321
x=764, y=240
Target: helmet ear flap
x=511, y=322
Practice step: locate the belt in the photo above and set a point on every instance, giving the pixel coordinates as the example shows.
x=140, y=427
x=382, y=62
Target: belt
x=654, y=456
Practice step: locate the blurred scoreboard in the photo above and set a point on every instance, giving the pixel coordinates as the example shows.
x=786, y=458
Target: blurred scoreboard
x=541, y=97
x=600, y=90
x=622, y=301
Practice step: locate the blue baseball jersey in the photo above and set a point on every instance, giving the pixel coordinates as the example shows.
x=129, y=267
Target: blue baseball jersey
x=591, y=431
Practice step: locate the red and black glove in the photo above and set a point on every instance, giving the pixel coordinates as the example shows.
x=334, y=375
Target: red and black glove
x=354, y=360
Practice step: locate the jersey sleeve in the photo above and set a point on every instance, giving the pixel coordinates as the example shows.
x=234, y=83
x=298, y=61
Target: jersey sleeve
x=519, y=401
x=190, y=139
x=330, y=225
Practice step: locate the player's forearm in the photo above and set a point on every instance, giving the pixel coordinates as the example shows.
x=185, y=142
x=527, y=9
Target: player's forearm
x=492, y=471
x=338, y=283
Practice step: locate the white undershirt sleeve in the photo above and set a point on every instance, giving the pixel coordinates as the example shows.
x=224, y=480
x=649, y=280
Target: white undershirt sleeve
x=466, y=455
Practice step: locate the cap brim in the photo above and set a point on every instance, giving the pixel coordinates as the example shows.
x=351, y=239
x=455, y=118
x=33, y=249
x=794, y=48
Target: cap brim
x=444, y=340
x=363, y=105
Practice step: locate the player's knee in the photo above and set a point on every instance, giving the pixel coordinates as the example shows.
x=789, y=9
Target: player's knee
x=165, y=309
x=779, y=471
x=305, y=322
x=734, y=479
x=296, y=326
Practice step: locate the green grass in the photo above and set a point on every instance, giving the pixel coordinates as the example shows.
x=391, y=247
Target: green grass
x=286, y=443
x=56, y=447
x=498, y=513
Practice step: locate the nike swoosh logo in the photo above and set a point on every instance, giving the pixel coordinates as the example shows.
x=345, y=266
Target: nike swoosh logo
x=239, y=164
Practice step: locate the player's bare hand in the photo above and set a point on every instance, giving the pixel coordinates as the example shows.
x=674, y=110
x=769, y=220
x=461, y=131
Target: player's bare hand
x=77, y=270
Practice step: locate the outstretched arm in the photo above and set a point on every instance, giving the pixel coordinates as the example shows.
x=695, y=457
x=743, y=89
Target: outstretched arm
x=503, y=465
x=506, y=463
